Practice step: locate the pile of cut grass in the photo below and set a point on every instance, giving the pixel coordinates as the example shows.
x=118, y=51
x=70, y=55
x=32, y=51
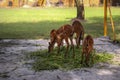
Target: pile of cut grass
x=51, y=61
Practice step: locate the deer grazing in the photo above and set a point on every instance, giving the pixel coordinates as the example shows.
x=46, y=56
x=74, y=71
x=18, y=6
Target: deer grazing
x=87, y=48
x=57, y=36
x=79, y=31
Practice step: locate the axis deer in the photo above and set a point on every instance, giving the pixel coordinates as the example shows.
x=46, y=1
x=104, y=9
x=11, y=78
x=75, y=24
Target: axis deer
x=87, y=48
x=57, y=36
x=79, y=31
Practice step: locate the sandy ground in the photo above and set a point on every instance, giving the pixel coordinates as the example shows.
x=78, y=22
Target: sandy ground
x=14, y=66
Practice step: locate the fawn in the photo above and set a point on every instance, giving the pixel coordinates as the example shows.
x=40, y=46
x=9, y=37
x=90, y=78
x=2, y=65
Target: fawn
x=79, y=31
x=57, y=36
x=87, y=48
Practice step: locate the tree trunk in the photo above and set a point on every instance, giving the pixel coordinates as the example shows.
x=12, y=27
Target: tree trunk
x=19, y=1
x=26, y=2
x=80, y=9
x=42, y=2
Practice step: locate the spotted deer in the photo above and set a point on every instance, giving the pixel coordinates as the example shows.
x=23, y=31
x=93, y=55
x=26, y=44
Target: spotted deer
x=57, y=36
x=79, y=31
x=87, y=48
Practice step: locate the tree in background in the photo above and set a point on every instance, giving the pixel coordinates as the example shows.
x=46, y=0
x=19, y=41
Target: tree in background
x=80, y=9
x=40, y=2
x=26, y=2
x=19, y=3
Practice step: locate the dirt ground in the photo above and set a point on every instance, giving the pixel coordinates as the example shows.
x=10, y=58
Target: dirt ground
x=14, y=66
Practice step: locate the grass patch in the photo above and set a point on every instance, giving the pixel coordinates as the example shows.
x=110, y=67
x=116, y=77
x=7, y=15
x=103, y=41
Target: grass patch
x=50, y=61
x=35, y=23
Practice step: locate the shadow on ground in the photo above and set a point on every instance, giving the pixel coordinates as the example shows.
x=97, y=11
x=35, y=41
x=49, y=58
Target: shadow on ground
x=35, y=30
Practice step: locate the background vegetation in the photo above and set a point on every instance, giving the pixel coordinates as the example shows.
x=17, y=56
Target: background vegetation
x=34, y=23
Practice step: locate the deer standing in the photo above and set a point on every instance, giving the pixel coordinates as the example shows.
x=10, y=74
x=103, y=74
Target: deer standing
x=87, y=48
x=79, y=31
x=57, y=36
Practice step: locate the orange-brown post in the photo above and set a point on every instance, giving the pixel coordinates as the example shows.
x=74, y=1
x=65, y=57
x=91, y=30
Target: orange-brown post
x=105, y=17
x=111, y=19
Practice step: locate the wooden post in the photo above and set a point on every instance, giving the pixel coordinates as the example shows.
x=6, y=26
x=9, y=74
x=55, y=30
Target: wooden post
x=105, y=17
x=112, y=23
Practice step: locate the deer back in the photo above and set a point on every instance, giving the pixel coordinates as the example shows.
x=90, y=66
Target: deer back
x=77, y=26
x=65, y=31
x=88, y=44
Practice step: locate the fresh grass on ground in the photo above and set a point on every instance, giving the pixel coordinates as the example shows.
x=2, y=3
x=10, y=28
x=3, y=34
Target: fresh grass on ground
x=50, y=61
x=34, y=23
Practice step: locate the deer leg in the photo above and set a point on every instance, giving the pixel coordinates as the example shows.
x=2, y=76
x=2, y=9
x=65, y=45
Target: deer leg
x=62, y=44
x=58, y=49
x=87, y=59
x=82, y=35
x=66, y=40
x=82, y=57
x=59, y=44
x=72, y=46
x=77, y=40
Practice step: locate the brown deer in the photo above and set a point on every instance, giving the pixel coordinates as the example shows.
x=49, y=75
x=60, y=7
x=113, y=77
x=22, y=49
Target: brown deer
x=79, y=31
x=57, y=36
x=87, y=48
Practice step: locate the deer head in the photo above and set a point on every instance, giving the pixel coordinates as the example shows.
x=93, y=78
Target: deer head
x=52, y=40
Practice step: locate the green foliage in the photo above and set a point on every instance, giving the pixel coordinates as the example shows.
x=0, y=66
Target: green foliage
x=49, y=61
x=103, y=57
